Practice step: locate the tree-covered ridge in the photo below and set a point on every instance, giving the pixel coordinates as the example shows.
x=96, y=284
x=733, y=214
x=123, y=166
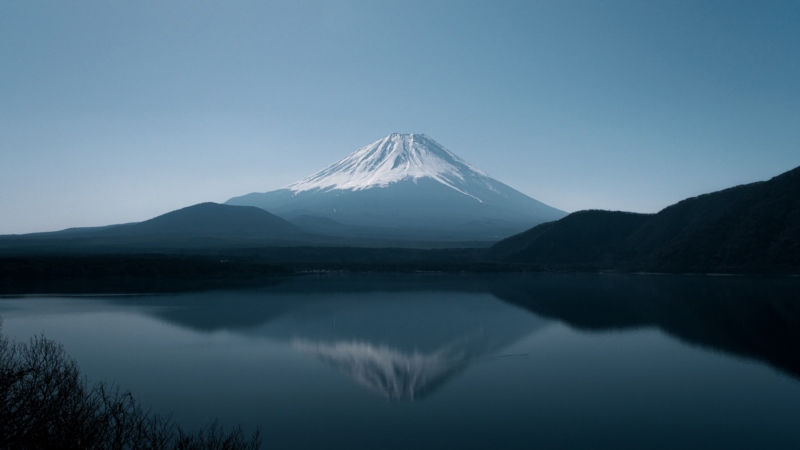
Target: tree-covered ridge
x=749, y=228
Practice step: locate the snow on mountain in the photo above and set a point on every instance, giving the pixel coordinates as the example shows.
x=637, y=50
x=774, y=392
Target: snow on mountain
x=404, y=186
x=394, y=158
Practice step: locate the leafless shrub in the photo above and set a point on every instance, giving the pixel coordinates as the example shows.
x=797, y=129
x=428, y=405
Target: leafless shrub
x=45, y=403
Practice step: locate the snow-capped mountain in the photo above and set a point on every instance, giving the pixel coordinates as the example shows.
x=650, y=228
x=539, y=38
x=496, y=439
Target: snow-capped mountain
x=395, y=158
x=404, y=186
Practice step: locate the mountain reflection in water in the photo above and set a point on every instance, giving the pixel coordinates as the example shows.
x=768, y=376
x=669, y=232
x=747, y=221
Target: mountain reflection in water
x=400, y=361
x=406, y=336
x=402, y=337
x=755, y=317
x=391, y=373
x=401, y=347
x=390, y=335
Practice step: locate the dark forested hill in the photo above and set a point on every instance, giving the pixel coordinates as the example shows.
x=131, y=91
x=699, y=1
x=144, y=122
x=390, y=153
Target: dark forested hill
x=748, y=228
x=581, y=237
x=211, y=219
x=205, y=225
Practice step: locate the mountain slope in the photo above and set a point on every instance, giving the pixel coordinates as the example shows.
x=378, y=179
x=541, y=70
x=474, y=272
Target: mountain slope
x=211, y=219
x=407, y=182
x=754, y=227
x=581, y=237
x=201, y=225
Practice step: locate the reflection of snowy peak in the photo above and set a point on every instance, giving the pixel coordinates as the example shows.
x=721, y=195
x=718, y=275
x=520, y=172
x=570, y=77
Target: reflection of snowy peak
x=394, y=158
x=402, y=347
x=404, y=186
x=389, y=372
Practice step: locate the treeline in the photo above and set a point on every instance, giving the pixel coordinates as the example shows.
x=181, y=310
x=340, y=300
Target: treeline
x=45, y=403
x=133, y=266
x=210, y=269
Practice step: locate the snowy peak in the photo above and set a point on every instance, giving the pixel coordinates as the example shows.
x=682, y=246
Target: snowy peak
x=407, y=187
x=394, y=158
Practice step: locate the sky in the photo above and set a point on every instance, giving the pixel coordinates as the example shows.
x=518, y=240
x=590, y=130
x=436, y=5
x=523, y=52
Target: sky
x=117, y=111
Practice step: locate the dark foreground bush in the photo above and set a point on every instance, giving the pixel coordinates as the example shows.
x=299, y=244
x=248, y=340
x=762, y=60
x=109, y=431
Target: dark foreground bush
x=45, y=403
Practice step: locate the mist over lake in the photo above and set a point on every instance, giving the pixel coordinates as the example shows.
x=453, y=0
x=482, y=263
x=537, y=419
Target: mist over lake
x=434, y=361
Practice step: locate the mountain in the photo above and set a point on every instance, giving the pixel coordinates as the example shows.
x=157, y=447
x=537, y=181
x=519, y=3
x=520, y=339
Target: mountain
x=582, y=237
x=211, y=219
x=753, y=227
x=201, y=225
x=406, y=186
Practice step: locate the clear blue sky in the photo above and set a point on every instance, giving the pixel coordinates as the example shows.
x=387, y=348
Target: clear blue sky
x=117, y=111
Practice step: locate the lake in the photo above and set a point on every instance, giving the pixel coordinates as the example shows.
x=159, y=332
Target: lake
x=452, y=361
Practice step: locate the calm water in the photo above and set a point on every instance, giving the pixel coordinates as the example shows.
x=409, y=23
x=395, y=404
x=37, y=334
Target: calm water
x=564, y=361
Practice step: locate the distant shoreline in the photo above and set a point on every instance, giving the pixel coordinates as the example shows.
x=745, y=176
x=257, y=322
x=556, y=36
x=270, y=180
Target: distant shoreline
x=163, y=272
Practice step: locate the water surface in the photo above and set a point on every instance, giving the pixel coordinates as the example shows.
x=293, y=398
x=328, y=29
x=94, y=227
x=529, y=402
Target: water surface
x=434, y=361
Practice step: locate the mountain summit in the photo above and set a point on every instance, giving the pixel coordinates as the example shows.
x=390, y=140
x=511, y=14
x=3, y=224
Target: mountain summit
x=395, y=158
x=404, y=186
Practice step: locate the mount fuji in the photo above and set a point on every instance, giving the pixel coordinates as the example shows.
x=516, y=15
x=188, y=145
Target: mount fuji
x=404, y=186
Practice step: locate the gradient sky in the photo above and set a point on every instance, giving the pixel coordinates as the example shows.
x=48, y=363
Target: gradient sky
x=117, y=111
